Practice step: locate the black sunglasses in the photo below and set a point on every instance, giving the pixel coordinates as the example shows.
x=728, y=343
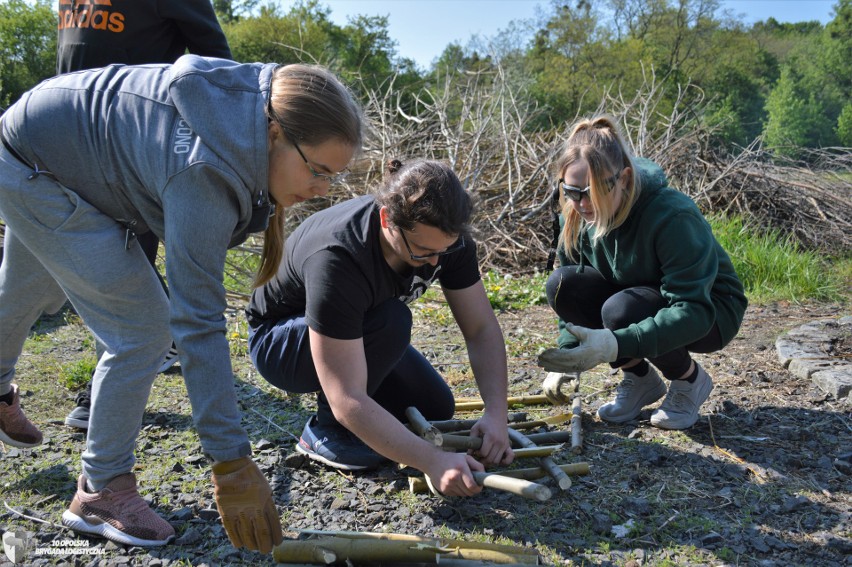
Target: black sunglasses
x=421, y=257
x=576, y=194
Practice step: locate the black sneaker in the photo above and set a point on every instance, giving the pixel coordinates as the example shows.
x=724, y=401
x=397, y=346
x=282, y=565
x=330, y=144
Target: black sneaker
x=79, y=416
x=170, y=360
x=337, y=447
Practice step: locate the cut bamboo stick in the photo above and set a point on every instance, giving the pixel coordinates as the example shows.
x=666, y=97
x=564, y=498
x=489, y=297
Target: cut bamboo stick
x=550, y=437
x=449, y=441
x=546, y=462
x=454, y=425
x=518, y=486
x=333, y=549
x=417, y=485
x=439, y=542
x=422, y=427
x=577, y=422
x=460, y=442
x=475, y=404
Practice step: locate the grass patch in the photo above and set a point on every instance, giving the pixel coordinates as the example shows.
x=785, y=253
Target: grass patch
x=775, y=267
x=507, y=292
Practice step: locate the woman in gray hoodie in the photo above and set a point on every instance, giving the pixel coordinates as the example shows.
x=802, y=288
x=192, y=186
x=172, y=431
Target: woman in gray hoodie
x=201, y=152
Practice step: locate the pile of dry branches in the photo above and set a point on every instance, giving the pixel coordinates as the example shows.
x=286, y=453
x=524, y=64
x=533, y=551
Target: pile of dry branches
x=478, y=123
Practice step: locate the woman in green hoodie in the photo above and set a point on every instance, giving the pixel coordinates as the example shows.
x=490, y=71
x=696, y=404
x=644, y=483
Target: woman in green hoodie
x=641, y=280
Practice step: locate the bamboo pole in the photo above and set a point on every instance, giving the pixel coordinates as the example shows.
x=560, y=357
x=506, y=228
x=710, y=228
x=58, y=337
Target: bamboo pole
x=477, y=404
x=422, y=427
x=546, y=462
x=576, y=420
x=519, y=486
x=417, y=484
x=461, y=442
x=454, y=425
x=550, y=437
x=456, y=428
x=334, y=549
x=439, y=542
x=449, y=441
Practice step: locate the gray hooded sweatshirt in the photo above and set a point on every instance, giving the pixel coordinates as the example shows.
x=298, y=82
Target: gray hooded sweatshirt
x=181, y=150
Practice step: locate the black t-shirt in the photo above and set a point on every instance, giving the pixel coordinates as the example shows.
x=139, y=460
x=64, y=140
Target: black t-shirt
x=135, y=32
x=333, y=271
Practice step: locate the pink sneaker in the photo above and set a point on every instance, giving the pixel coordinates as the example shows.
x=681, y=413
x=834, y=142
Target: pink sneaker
x=15, y=428
x=118, y=513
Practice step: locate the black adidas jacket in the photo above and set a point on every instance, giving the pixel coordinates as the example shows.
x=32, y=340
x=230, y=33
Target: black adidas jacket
x=96, y=33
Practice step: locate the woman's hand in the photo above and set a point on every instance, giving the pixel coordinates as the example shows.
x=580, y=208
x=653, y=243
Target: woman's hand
x=596, y=346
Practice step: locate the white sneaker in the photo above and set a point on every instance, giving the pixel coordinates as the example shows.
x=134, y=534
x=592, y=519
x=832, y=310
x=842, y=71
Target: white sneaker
x=680, y=408
x=634, y=393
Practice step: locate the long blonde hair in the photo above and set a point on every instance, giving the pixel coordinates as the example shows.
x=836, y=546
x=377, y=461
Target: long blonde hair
x=312, y=106
x=599, y=143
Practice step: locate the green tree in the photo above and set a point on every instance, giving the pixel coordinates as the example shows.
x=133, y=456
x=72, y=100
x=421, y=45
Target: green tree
x=791, y=115
x=844, y=126
x=27, y=46
x=362, y=52
x=232, y=10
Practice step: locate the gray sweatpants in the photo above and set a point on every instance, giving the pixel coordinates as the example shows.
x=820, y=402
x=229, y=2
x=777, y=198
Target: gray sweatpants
x=58, y=245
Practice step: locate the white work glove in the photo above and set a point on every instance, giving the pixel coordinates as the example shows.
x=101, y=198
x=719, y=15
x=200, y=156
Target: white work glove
x=552, y=386
x=596, y=346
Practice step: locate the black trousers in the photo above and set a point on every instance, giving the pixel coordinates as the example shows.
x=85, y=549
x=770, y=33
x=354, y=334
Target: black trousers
x=588, y=299
x=398, y=376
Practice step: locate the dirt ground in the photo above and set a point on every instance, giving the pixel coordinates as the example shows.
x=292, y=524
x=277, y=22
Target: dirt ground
x=762, y=479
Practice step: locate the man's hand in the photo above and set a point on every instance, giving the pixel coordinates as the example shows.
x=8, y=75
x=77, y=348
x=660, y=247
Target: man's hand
x=552, y=386
x=245, y=503
x=596, y=346
x=496, y=447
x=451, y=474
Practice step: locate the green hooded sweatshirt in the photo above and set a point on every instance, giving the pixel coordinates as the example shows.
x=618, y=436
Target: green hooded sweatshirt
x=665, y=243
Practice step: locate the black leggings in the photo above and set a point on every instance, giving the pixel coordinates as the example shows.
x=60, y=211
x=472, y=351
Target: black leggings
x=588, y=299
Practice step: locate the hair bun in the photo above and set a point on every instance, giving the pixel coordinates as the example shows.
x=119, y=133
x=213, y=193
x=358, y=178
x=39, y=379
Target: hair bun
x=393, y=166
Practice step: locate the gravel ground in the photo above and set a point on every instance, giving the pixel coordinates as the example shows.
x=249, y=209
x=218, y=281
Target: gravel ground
x=763, y=478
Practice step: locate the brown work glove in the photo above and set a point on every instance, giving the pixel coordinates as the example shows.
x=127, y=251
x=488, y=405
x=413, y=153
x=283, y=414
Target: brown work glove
x=245, y=503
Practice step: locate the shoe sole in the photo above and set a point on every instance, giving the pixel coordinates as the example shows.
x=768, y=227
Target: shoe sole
x=171, y=359
x=317, y=457
x=648, y=399
x=77, y=423
x=14, y=443
x=107, y=531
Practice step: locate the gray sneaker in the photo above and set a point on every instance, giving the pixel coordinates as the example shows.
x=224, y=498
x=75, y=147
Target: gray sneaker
x=634, y=393
x=680, y=408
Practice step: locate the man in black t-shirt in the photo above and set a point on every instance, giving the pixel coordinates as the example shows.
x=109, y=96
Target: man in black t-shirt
x=335, y=321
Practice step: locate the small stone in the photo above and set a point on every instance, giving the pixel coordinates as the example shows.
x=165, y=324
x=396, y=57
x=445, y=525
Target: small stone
x=794, y=504
x=295, y=460
x=189, y=537
x=264, y=444
x=842, y=466
x=183, y=515
x=208, y=514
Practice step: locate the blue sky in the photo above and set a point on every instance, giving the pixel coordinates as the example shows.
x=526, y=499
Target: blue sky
x=422, y=28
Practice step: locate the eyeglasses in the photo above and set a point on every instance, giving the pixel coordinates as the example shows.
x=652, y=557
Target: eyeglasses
x=576, y=194
x=421, y=257
x=335, y=178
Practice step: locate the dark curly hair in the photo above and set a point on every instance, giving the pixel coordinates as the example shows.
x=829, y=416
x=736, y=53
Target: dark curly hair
x=426, y=192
